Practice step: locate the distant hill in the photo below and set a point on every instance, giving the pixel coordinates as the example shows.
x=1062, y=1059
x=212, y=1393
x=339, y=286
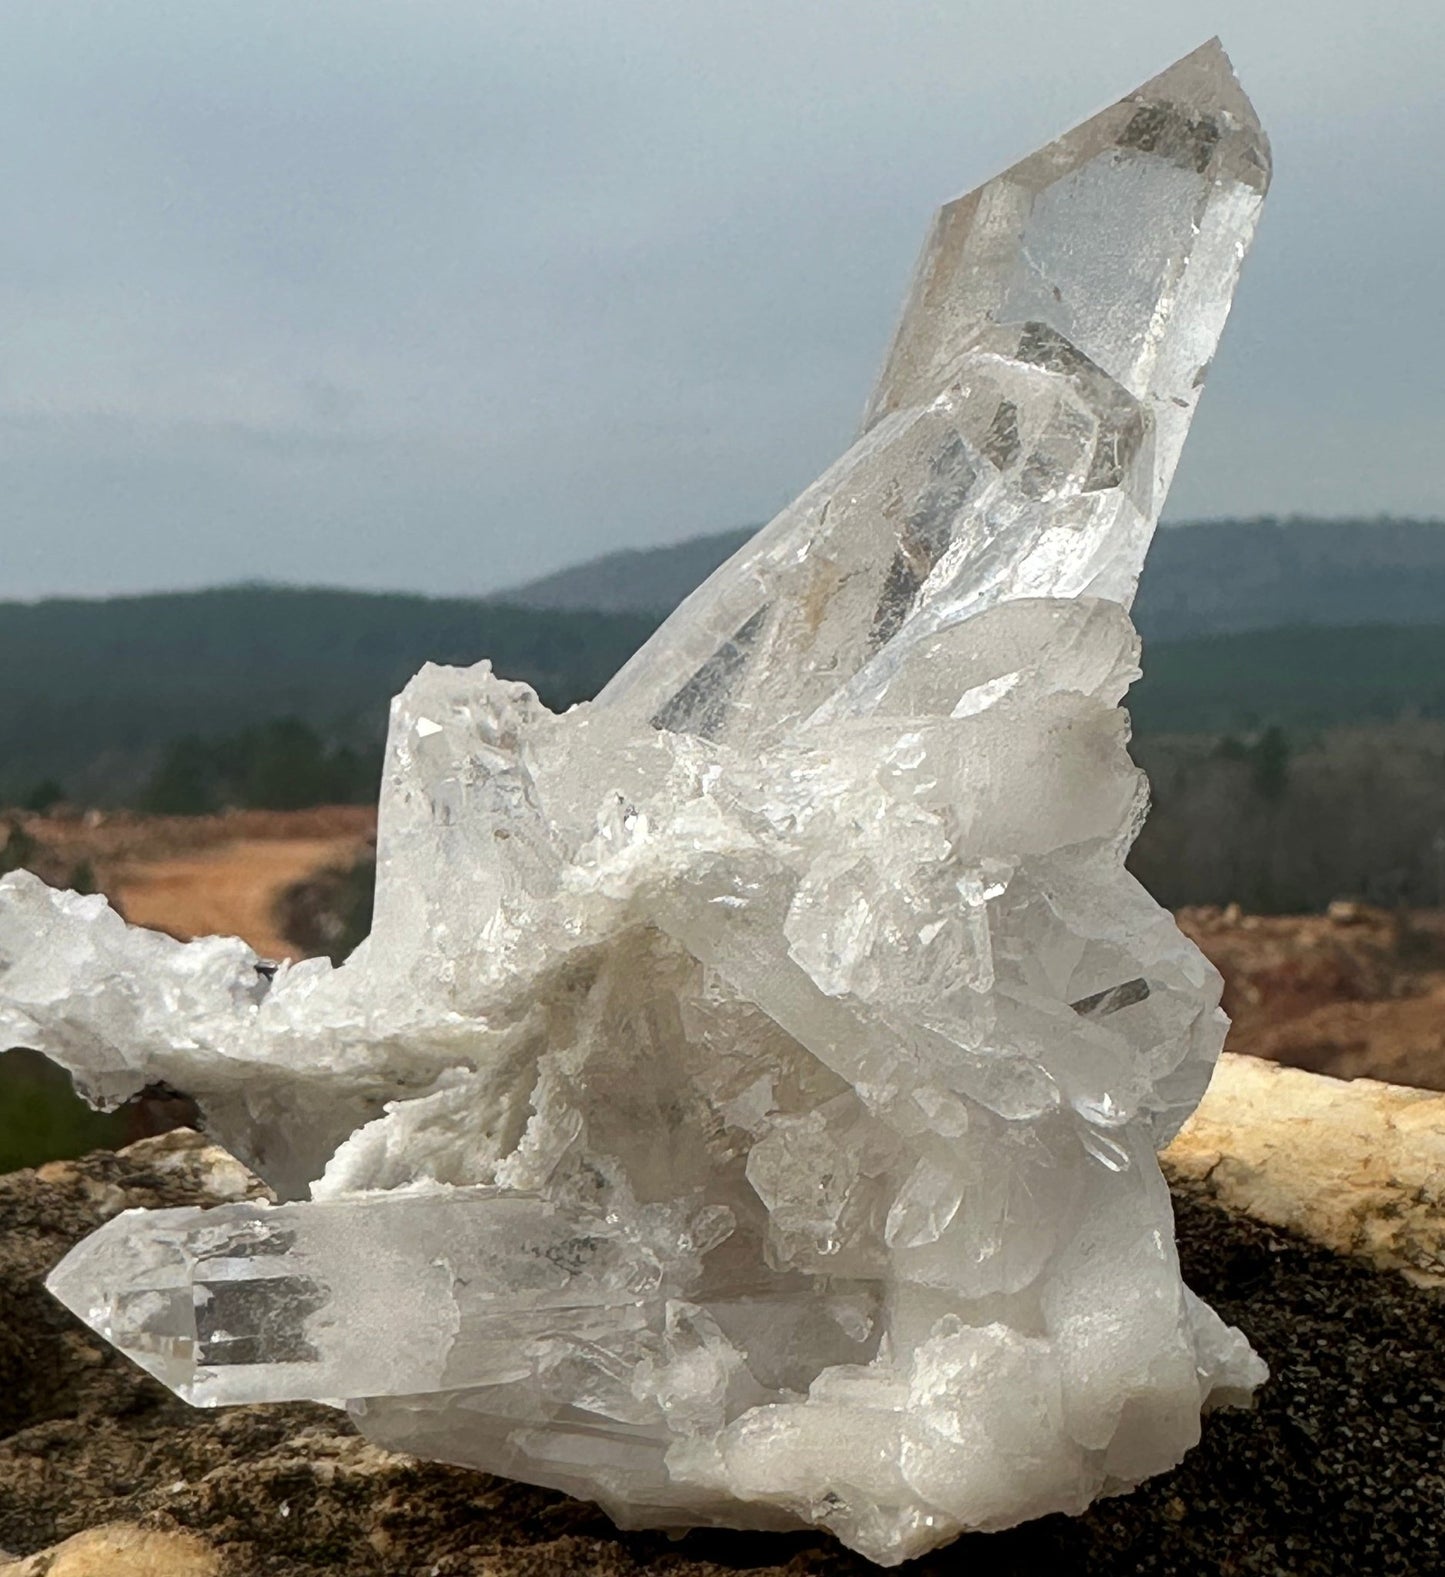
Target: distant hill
x=92, y=691
x=1210, y=578
x=1306, y=623
x=1304, y=678
x=1222, y=576
x=634, y=580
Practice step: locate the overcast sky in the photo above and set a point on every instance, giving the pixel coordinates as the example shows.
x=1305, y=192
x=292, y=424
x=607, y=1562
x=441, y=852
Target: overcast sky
x=440, y=294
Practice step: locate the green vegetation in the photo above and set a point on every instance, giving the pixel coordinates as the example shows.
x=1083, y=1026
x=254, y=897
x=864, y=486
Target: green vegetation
x=45, y=796
x=1306, y=678
x=273, y=697
x=1205, y=578
x=353, y=898
x=43, y=1119
x=1286, y=821
x=1290, y=766
x=96, y=692
x=18, y=848
x=329, y=914
x=280, y=765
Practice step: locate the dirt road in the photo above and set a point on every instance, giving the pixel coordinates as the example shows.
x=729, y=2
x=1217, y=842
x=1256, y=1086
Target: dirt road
x=197, y=875
x=229, y=890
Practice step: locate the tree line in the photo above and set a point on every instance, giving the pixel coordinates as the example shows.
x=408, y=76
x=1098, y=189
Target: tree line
x=1285, y=821
x=284, y=764
x=92, y=694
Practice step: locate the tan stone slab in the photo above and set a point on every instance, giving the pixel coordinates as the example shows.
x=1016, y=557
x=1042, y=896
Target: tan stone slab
x=120, y=1549
x=1356, y=1165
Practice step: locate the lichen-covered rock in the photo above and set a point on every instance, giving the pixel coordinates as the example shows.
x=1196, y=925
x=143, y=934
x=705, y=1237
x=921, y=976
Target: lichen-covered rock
x=1356, y=1165
x=121, y=1550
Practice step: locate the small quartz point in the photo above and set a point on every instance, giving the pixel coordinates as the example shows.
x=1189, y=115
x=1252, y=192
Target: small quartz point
x=744, y=1110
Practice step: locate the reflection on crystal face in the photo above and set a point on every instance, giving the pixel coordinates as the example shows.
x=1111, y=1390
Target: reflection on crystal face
x=744, y=1109
x=700, y=707
x=1110, y=1001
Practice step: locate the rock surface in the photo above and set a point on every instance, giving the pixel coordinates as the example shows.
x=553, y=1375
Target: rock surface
x=121, y=1550
x=1358, y=1166
x=1338, y=1469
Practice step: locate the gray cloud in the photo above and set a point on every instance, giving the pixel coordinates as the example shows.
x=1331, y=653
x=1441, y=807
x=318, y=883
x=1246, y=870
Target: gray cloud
x=441, y=295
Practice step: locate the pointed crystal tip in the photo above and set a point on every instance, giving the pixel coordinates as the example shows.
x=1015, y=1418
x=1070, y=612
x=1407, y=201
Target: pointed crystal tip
x=1104, y=238
x=1204, y=79
x=1204, y=82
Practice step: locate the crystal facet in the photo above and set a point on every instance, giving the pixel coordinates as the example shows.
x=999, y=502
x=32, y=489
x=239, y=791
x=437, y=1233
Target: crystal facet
x=745, y=1107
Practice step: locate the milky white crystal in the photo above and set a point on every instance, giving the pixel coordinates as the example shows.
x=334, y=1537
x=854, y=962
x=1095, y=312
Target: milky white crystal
x=745, y=1108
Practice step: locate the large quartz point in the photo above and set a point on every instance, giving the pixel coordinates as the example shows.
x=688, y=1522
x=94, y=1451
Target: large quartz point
x=745, y=1108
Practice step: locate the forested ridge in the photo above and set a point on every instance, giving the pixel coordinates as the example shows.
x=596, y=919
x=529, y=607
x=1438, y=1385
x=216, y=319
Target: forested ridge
x=191, y=697
x=94, y=692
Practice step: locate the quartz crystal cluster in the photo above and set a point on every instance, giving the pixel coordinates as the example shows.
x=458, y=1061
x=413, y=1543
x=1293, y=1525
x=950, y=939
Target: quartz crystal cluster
x=744, y=1110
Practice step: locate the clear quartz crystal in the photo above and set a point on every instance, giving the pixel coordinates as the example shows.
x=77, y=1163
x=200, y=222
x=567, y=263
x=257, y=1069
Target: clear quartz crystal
x=744, y=1110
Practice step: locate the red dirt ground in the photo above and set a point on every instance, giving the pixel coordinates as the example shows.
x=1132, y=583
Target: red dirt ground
x=1357, y=992
x=204, y=875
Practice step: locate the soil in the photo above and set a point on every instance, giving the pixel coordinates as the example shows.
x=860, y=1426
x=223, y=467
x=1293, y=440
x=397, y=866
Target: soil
x=1340, y=1469
x=232, y=889
x=1354, y=993
x=106, y=837
x=203, y=875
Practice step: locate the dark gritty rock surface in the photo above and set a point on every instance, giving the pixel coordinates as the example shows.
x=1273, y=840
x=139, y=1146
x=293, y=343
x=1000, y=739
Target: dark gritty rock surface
x=1340, y=1469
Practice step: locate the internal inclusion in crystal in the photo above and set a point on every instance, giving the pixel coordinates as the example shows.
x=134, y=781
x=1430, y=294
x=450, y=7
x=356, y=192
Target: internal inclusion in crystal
x=745, y=1108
